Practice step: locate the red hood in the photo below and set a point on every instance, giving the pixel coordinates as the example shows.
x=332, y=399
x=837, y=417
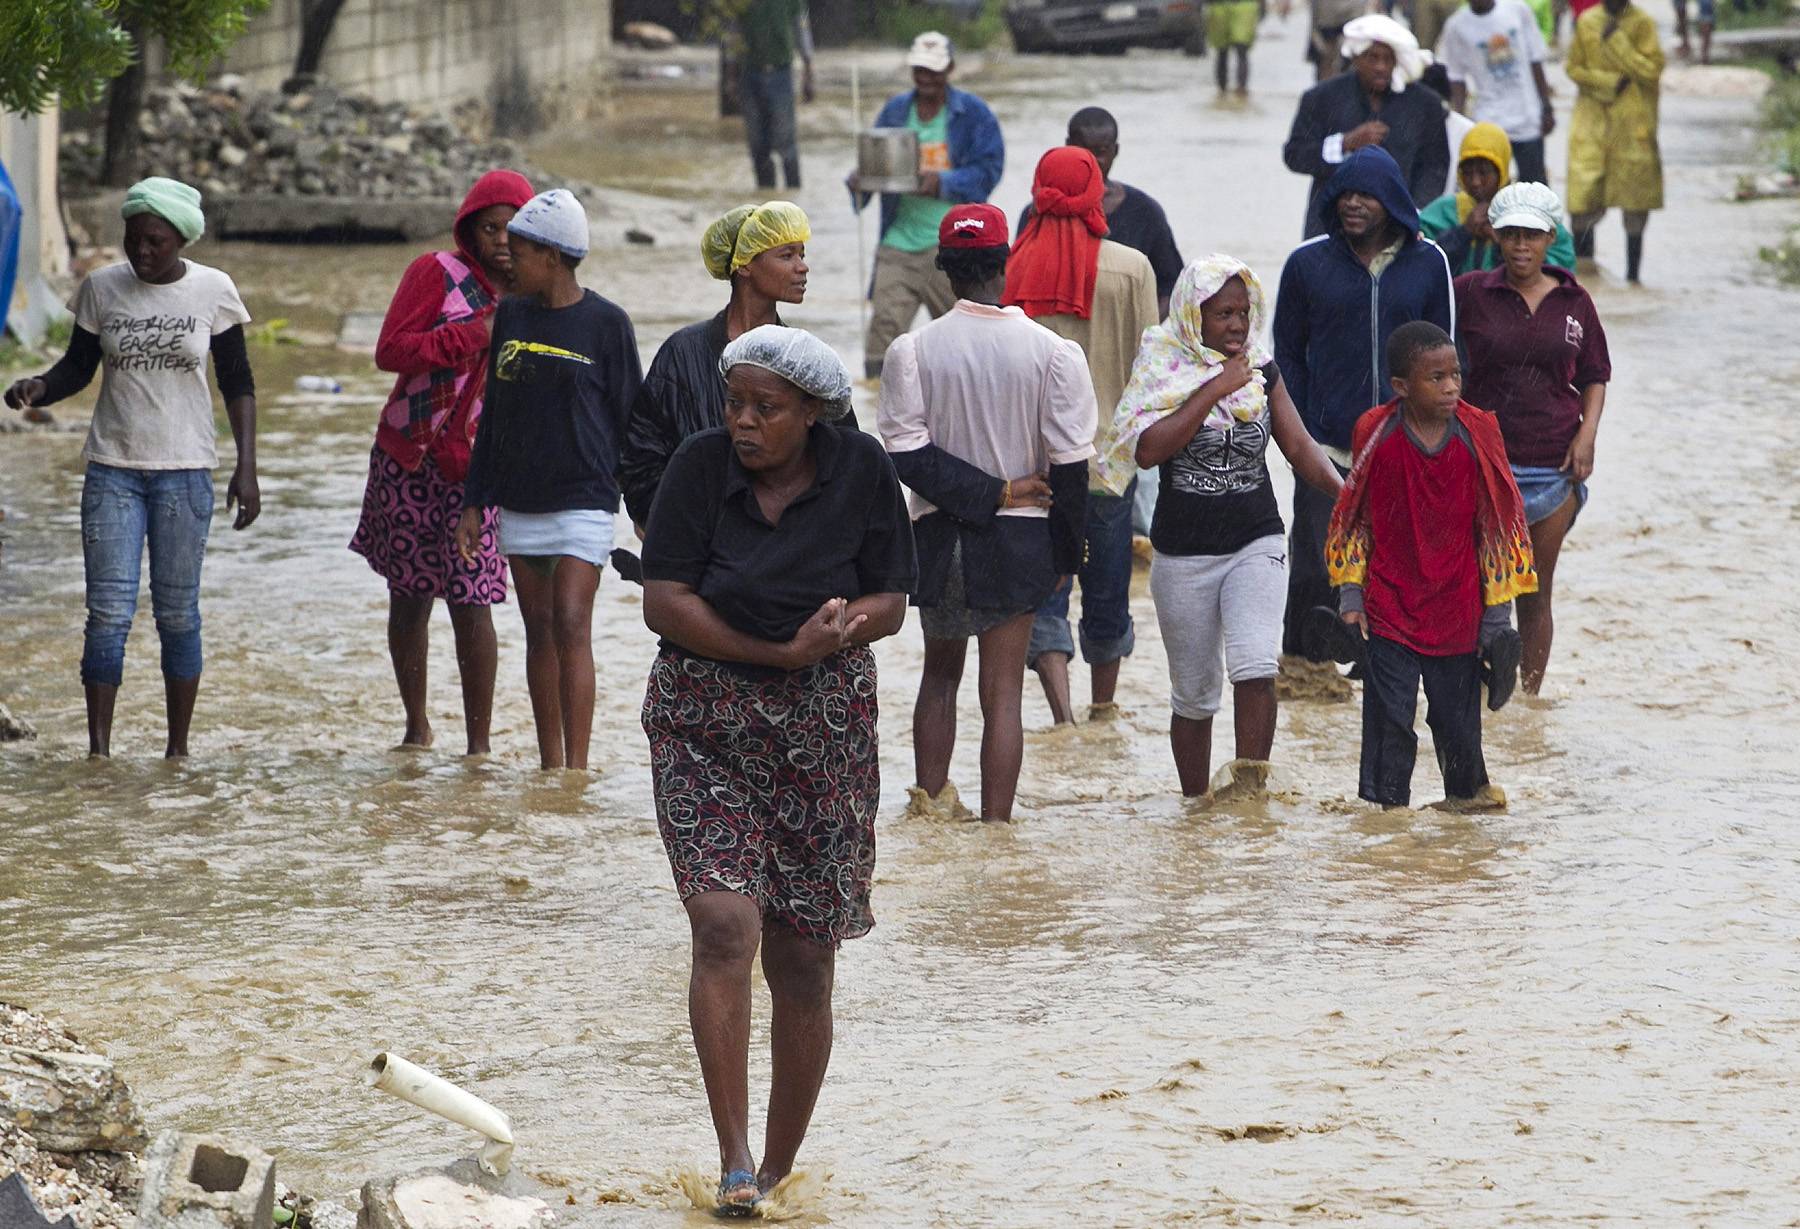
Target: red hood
x=493, y=188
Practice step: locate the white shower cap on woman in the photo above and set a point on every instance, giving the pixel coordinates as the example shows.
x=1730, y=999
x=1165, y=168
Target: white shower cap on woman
x=797, y=357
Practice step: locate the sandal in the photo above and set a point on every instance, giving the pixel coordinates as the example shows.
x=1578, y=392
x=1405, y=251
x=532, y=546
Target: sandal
x=736, y=1180
x=1500, y=667
x=1326, y=637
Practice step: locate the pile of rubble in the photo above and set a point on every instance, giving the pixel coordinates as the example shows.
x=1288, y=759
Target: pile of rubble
x=68, y=1127
x=228, y=140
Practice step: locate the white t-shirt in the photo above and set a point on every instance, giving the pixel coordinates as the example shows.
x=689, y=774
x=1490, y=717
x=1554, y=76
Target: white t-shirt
x=1492, y=53
x=993, y=387
x=155, y=409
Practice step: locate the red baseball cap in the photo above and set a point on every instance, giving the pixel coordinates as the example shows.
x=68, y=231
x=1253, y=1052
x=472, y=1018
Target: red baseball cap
x=973, y=226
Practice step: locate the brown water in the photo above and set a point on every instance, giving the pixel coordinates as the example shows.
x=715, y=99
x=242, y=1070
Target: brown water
x=1120, y=1008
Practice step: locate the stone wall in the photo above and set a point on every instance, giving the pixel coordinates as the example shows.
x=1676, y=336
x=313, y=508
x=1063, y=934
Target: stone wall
x=516, y=56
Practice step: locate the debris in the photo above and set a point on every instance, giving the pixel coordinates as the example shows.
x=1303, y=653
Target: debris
x=205, y=1182
x=648, y=35
x=68, y=1097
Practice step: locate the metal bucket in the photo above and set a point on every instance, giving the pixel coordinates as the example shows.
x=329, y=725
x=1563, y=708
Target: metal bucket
x=887, y=160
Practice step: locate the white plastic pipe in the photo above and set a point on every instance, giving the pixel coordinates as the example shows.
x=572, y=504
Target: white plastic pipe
x=394, y=1075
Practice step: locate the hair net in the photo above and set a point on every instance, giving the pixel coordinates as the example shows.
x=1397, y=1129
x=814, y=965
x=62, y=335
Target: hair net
x=797, y=357
x=745, y=233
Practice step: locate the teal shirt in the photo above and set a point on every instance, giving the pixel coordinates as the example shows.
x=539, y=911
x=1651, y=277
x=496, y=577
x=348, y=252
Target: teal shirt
x=915, y=227
x=1439, y=218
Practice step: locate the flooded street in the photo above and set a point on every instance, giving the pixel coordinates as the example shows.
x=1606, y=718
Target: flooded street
x=1119, y=1010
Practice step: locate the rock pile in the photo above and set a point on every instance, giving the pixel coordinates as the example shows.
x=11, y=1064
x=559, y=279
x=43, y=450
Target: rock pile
x=97, y=1186
x=228, y=140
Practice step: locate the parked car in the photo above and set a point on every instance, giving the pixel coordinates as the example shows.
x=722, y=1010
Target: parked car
x=1106, y=25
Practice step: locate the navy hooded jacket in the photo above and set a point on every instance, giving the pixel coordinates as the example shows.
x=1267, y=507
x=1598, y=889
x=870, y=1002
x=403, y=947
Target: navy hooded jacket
x=1333, y=318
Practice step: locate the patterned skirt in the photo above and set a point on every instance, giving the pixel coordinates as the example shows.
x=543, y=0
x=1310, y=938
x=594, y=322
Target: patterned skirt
x=408, y=535
x=768, y=787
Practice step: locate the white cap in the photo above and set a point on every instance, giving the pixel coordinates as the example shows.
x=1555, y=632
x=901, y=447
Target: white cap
x=1532, y=206
x=930, y=50
x=554, y=219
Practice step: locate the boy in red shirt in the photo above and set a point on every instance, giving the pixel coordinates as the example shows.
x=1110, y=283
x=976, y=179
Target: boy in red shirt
x=1429, y=546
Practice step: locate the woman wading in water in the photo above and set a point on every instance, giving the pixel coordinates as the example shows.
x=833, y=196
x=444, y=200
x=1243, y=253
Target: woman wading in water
x=435, y=340
x=1204, y=401
x=778, y=550
x=761, y=251
x=562, y=372
x=153, y=320
x=1538, y=362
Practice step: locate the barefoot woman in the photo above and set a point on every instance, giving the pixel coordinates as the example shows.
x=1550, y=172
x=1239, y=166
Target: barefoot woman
x=778, y=549
x=435, y=339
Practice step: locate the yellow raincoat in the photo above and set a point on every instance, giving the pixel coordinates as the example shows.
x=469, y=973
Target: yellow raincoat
x=1613, y=157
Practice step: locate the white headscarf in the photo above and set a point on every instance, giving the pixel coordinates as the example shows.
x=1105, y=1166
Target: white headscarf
x=1410, y=59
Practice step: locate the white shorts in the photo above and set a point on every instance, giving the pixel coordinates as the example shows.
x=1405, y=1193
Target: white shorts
x=580, y=533
x=1219, y=614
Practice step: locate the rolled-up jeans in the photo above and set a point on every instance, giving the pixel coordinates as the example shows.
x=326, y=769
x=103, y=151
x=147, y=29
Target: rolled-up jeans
x=1106, y=629
x=120, y=510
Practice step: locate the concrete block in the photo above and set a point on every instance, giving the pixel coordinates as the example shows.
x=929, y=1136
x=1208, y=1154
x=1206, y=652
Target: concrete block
x=205, y=1182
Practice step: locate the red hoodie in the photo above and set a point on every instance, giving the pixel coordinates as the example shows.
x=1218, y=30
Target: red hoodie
x=435, y=339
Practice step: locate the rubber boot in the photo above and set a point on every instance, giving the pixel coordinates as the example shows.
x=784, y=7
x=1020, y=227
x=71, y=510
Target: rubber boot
x=1634, y=257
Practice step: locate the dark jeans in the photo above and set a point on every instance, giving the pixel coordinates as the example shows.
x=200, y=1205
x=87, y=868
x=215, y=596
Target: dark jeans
x=1530, y=157
x=1106, y=630
x=767, y=95
x=1452, y=710
x=1309, y=584
x=121, y=510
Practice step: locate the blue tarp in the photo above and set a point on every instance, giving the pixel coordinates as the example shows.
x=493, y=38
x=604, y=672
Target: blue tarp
x=10, y=217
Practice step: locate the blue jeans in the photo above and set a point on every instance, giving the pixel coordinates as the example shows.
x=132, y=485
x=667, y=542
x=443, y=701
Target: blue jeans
x=767, y=98
x=1106, y=631
x=120, y=508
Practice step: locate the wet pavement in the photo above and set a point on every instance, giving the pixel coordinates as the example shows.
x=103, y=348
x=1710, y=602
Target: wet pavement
x=1122, y=1008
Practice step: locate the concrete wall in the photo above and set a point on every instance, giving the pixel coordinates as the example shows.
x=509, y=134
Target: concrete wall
x=28, y=145
x=437, y=53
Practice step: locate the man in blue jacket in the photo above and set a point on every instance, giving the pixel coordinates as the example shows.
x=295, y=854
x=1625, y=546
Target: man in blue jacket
x=961, y=157
x=1341, y=296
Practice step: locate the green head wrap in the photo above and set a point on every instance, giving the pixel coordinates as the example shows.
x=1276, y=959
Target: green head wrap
x=169, y=199
x=746, y=232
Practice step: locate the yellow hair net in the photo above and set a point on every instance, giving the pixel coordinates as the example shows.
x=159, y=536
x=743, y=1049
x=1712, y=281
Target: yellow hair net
x=748, y=231
x=720, y=240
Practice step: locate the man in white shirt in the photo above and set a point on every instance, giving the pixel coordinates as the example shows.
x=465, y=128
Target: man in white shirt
x=1494, y=49
x=989, y=418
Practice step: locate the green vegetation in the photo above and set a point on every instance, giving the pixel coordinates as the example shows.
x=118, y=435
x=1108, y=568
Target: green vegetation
x=72, y=49
x=1781, y=116
x=1758, y=15
x=905, y=21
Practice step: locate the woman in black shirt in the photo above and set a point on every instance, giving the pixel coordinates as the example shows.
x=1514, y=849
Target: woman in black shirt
x=1204, y=399
x=778, y=548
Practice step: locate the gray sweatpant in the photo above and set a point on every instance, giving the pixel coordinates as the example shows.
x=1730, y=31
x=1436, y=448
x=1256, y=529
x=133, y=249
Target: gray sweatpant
x=1220, y=615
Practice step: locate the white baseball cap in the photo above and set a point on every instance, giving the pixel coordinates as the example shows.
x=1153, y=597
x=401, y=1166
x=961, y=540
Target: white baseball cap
x=554, y=219
x=931, y=50
x=1532, y=206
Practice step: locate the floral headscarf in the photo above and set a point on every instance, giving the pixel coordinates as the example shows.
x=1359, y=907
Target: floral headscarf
x=1173, y=361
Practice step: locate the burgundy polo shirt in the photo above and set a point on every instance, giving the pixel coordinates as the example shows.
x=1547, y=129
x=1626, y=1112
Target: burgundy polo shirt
x=1529, y=368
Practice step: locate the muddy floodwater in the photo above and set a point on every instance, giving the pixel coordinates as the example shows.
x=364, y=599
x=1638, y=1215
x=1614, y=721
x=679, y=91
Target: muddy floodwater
x=1120, y=1010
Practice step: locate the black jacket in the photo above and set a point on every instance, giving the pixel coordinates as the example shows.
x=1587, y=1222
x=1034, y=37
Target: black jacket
x=1415, y=120
x=682, y=395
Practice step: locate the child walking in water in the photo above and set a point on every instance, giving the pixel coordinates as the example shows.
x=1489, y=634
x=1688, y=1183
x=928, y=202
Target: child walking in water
x=1429, y=546
x=562, y=374
x=1205, y=399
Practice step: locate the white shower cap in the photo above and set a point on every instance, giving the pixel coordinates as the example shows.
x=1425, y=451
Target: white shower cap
x=797, y=357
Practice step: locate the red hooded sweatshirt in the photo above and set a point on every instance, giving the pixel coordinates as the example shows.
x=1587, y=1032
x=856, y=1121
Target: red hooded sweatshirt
x=435, y=339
